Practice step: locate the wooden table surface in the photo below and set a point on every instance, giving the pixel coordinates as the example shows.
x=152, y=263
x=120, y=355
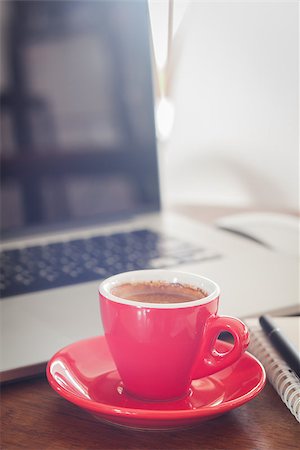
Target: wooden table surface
x=35, y=417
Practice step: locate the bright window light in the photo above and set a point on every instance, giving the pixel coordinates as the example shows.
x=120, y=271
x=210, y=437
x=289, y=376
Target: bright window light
x=164, y=118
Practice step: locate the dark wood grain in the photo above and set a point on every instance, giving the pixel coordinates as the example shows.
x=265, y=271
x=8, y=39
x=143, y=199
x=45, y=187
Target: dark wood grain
x=35, y=417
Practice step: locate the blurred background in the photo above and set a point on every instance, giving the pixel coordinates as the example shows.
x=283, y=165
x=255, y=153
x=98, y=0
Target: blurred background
x=77, y=117
x=226, y=88
x=231, y=125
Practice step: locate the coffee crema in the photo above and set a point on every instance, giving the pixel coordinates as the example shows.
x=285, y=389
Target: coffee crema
x=158, y=292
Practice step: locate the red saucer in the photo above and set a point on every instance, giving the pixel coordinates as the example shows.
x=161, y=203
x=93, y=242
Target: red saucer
x=85, y=374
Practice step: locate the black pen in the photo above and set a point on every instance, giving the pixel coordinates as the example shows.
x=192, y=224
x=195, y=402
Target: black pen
x=281, y=344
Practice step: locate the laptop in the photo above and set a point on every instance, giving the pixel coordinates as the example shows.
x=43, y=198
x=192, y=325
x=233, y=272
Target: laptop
x=80, y=195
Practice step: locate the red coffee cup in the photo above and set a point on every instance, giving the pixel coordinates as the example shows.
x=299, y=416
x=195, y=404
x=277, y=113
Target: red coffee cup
x=160, y=348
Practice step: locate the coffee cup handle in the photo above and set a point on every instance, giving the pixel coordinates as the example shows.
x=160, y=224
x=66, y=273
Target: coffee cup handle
x=213, y=361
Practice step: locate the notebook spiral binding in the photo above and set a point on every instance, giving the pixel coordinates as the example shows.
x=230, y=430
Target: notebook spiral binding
x=280, y=375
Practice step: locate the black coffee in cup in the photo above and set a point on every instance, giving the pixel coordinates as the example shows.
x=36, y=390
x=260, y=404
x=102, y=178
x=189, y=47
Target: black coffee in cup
x=158, y=292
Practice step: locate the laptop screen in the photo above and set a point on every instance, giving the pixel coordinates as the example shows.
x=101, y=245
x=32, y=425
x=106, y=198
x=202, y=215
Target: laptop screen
x=77, y=116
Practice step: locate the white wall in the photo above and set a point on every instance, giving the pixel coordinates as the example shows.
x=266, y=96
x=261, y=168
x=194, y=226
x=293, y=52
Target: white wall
x=235, y=92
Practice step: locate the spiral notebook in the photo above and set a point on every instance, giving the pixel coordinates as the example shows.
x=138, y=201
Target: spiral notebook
x=280, y=375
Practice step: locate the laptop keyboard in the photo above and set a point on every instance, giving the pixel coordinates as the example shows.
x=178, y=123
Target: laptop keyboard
x=59, y=264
